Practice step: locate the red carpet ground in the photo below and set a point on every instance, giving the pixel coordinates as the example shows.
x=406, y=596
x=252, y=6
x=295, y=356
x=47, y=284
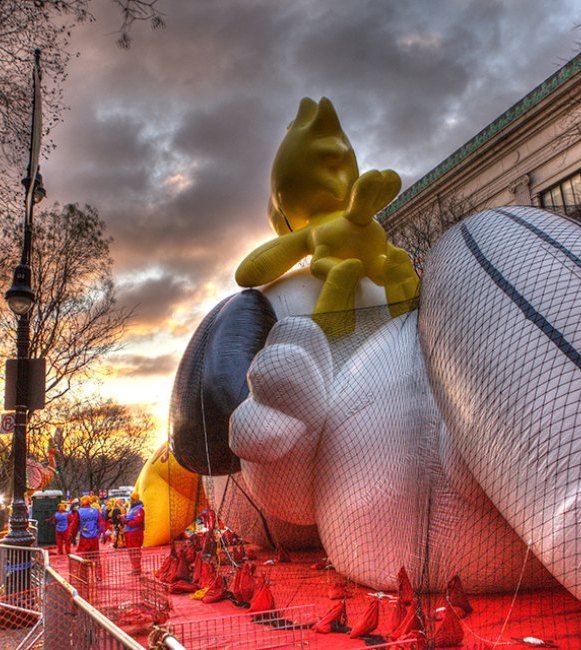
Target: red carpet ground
x=553, y=616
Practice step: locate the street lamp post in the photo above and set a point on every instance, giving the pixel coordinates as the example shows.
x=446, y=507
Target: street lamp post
x=20, y=298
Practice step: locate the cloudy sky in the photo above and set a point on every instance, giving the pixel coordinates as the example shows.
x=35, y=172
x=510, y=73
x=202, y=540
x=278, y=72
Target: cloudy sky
x=173, y=140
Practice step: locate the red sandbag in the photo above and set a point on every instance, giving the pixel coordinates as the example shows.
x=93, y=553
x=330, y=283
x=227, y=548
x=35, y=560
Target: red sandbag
x=216, y=592
x=320, y=565
x=247, y=584
x=235, y=584
x=368, y=622
x=182, y=587
x=197, y=572
x=282, y=555
x=418, y=637
x=263, y=599
x=166, y=572
x=208, y=575
x=189, y=553
x=413, y=621
x=238, y=554
x=339, y=591
x=336, y=614
x=449, y=633
x=209, y=545
x=183, y=570
x=456, y=595
x=404, y=587
x=398, y=614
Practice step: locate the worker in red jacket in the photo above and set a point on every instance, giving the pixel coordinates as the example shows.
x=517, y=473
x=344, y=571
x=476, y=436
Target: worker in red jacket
x=134, y=522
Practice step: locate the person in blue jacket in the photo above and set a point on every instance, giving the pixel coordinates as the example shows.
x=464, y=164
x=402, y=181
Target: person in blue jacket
x=61, y=521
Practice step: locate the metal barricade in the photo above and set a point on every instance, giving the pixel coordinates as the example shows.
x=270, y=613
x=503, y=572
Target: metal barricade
x=133, y=601
x=22, y=591
x=70, y=622
x=287, y=627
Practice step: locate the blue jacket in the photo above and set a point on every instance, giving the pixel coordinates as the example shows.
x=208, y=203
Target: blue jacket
x=89, y=522
x=135, y=518
x=62, y=521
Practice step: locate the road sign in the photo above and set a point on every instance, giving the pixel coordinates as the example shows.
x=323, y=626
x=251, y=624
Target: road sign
x=7, y=423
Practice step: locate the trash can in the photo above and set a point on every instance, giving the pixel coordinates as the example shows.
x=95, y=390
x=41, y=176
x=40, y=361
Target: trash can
x=44, y=505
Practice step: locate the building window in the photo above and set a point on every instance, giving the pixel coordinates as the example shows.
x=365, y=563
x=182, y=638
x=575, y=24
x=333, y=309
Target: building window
x=565, y=197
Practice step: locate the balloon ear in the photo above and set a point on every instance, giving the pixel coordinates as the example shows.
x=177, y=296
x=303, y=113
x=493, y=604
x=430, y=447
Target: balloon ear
x=326, y=121
x=306, y=113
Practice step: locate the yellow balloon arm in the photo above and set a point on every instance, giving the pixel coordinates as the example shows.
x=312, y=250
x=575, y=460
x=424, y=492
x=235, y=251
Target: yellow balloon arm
x=271, y=260
x=371, y=192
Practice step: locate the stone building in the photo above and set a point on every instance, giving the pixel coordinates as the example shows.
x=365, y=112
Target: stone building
x=529, y=155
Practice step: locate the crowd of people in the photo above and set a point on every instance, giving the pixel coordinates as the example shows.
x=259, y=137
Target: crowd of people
x=87, y=523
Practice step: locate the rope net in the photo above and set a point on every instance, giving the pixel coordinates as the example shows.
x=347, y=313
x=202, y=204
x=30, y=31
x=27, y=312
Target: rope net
x=443, y=446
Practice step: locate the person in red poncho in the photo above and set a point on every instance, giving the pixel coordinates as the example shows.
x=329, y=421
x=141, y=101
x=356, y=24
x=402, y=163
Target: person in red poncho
x=134, y=522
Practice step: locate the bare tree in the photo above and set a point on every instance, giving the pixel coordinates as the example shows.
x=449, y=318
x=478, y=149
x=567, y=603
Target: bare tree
x=100, y=444
x=424, y=226
x=75, y=320
x=26, y=25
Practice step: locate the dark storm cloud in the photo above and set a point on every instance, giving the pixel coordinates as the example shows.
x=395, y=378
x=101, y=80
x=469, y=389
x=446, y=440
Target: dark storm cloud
x=153, y=299
x=173, y=140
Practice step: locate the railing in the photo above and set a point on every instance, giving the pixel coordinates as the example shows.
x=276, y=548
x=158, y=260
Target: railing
x=22, y=591
x=71, y=622
x=281, y=628
x=105, y=580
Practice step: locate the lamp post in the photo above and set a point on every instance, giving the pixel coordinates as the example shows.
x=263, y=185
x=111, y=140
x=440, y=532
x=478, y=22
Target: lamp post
x=20, y=298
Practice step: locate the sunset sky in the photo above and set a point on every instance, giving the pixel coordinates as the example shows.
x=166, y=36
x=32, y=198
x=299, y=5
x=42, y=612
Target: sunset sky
x=172, y=141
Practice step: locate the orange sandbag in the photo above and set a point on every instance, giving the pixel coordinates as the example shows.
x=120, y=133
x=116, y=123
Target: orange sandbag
x=336, y=614
x=449, y=633
x=368, y=622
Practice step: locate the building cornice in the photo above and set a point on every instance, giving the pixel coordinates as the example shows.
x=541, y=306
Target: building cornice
x=484, y=137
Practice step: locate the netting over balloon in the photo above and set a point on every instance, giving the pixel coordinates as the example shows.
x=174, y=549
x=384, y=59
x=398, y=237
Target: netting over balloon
x=446, y=440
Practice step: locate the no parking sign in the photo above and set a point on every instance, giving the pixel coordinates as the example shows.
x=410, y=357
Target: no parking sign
x=7, y=423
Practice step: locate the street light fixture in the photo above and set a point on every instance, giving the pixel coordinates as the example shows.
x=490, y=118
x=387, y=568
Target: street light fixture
x=20, y=298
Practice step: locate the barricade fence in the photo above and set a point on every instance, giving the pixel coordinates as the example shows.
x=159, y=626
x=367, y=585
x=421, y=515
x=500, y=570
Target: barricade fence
x=71, y=622
x=22, y=591
x=287, y=627
x=134, y=600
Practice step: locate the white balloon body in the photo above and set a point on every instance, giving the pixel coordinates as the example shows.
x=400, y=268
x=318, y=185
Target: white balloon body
x=446, y=440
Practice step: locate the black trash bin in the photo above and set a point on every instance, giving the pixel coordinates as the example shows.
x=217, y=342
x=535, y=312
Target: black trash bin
x=44, y=505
